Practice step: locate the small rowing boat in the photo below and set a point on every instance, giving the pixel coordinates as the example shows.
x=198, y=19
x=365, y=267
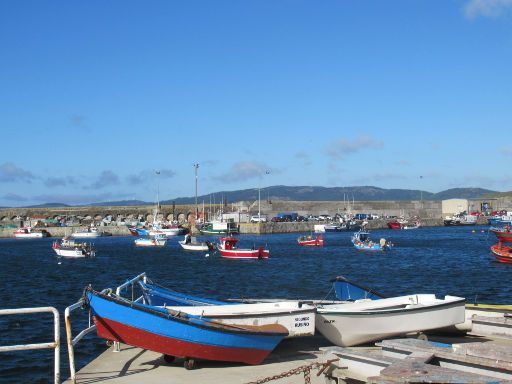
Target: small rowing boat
x=178, y=334
x=311, y=241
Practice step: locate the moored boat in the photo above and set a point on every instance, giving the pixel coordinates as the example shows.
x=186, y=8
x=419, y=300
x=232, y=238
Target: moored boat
x=158, y=240
x=364, y=321
x=219, y=228
x=191, y=244
x=361, y=240
x=502, y=234
x=502, y=253
x=178, y=334
x=30, y=233
x=460, y=219
x=69, y=248
x=297, y=317
x=228, y=248
x=89, y=232
x=311, y=241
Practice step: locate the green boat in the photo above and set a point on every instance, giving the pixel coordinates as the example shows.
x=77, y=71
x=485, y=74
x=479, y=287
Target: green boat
x=219, y=228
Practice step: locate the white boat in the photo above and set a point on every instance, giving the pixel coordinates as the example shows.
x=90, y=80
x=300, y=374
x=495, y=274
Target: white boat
x=168, y=231
x=69, y=248
x=158, y=240
x=364, y=321
x=90, y=232
x=191, y=244
x=30, y=233
x=297, y=317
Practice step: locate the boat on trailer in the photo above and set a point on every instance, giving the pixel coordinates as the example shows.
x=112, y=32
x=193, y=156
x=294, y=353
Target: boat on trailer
x=364, y=321
x=68, y=247
x=297, y=317
x=178, y=334
x=311, y=241
x=228, y=248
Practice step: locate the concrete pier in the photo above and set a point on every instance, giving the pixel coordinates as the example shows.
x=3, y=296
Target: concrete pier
x=134, y=365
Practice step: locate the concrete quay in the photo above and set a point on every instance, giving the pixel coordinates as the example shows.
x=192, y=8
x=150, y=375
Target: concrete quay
x=135, y=365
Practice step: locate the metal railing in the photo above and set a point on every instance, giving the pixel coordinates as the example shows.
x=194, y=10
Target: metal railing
x=131, y=283
x=51, y=345
x=72, y=341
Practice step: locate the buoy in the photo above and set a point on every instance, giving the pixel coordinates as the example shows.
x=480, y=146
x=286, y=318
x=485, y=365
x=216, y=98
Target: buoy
x=60, y=262
x=207, y=255
x=473, y=231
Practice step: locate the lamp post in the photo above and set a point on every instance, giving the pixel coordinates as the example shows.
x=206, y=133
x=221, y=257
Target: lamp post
x=259, y=198
x=421, y=190
x=157, y=190
x=196, y=166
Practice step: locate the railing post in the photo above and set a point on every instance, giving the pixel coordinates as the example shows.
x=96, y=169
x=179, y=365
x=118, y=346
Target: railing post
x=56, y=339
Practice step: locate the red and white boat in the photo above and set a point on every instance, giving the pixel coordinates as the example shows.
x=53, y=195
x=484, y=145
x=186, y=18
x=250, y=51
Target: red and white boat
x=502, y=253
x=311, y=241
x=228, y=248
x=30, y=233
x=503, y=234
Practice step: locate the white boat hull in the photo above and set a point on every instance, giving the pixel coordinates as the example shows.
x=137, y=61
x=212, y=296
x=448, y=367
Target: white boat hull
x=193, y=246
x=168, y=232
x=150, y=242
x=33, y=235
x=299, y=319
x=370, y=320
x=72, y=253
x=85, y=235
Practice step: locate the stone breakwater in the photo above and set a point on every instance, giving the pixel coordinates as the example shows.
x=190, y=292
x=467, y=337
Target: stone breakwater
x=60, y=232
x=245, y=228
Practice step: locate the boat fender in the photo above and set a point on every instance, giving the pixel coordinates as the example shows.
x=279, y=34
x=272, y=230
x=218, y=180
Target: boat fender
x=260, y=253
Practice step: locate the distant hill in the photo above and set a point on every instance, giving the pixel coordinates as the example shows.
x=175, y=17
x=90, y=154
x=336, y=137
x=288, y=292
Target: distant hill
x=463, y=193
x=49, y=205
x=307, y=193
x=312, y=193
x=120, y=203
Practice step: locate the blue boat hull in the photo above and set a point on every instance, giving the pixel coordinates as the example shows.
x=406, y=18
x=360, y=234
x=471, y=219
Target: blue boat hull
x=180, y=335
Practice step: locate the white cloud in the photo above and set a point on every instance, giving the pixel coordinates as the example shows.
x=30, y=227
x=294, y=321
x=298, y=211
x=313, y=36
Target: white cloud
x=10, y=172
x=487, y=8
x=244, y=170
x=339, y=149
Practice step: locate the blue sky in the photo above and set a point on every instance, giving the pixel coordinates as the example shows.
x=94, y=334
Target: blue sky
x=97, y=95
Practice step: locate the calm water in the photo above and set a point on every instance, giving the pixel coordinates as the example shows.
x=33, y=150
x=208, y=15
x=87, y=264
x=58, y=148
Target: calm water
x=445, y=260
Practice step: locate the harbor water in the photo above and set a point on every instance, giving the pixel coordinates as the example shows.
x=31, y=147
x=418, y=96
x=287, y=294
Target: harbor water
x=440, y=260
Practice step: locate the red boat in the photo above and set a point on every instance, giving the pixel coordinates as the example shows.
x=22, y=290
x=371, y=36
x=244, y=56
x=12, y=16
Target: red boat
x=502, y=253
x=311, y=241
x=394, y=225
x=503, y=234
x=228, y=248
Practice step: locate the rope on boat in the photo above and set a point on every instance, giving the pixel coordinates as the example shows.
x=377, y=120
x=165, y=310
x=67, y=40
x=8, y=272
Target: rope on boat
x=306, y=369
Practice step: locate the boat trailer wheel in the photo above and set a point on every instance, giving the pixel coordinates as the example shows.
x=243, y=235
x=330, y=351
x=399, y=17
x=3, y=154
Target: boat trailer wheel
x=169, y=359
x=189, y=364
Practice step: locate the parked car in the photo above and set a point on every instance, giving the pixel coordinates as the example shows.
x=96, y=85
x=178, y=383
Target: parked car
x=276, y=219
x=259, y=219
x=302, y=218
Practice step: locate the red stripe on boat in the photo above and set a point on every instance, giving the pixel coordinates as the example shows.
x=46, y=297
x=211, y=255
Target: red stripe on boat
x=115, y=331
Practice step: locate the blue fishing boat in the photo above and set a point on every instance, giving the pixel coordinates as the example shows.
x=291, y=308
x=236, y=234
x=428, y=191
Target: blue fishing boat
x=347, y=290
x=361, y=240
x=162, y=296
x=177, y=334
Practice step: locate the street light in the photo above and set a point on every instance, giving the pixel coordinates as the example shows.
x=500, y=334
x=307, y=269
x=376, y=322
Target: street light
x=421, y=190
x=196, y=166
x=259, y=198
